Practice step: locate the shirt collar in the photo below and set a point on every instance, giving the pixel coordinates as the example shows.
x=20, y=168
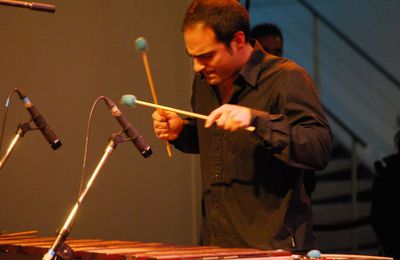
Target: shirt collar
x=251, y=69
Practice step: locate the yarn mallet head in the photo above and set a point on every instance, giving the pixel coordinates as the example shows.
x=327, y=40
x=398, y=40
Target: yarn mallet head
x=141, y=44
x=129, y=100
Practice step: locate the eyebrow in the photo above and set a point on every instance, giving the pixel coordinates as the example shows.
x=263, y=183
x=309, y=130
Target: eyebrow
x=199, y=55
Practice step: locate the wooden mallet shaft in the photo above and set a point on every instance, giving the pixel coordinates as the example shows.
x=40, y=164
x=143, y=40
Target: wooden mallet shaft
x=153, y=90
x=179, y=111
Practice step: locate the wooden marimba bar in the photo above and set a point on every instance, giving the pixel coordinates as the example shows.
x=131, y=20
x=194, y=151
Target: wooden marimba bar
x=28, y=246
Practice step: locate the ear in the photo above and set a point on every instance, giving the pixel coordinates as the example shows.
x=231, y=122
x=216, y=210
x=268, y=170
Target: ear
x=238, y=41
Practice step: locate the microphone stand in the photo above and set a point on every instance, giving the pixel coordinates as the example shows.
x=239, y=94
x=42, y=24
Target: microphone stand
x=115, y=139
x=21, y=131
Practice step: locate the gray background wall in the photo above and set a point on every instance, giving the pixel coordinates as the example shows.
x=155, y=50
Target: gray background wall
x=63, y=62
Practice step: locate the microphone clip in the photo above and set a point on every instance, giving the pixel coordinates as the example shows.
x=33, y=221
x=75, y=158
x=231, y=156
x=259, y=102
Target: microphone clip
x=23, y=128
x=117, y=138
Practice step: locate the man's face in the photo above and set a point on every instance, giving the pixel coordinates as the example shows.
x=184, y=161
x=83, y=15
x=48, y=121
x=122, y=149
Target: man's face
x=272, y=44
x=211, y=57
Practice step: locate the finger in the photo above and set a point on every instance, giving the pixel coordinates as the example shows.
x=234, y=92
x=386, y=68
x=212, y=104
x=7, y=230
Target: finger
x=235, y=122
x=163, y=136
x=161, y=128
x=170, y=115
x=160, y=125
x=162, y=112
x=222, y=120
x=232, y=122
x=212, y=117
x=157, y=116
x=240, y=117
x=228, y=123
x=159, y=131
x=234, y=126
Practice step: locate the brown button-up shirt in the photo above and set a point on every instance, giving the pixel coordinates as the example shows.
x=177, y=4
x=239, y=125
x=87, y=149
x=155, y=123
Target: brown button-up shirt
x=253, y=193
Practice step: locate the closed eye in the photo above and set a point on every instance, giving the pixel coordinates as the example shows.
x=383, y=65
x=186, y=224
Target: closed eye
x=204, y=56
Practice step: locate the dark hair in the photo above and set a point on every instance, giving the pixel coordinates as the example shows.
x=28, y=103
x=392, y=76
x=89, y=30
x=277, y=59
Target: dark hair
x=266, y=29
x=224, y=17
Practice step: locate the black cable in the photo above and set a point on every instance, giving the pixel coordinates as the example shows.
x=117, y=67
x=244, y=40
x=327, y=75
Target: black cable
x=87, y=143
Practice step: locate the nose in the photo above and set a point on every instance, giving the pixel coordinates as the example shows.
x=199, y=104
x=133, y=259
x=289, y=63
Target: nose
x=197, y=65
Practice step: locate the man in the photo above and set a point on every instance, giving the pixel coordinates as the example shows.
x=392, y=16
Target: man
x=270, y=37
x=385, y=207
x=252, y=191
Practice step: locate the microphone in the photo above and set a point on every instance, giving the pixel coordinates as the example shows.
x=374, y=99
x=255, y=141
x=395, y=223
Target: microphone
x=129, y=130
x=42, y=7
x=30, y=5
x=40, y=122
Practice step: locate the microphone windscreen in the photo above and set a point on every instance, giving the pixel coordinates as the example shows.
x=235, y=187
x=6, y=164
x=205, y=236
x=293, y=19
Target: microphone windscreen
x=129, y=100
x=141, y=44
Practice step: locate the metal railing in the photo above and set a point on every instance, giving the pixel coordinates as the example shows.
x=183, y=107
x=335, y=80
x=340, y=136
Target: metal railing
x=350, y=43
x=356, y=139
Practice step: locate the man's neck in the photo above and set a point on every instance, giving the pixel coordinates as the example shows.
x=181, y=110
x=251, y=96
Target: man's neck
x=225, y=89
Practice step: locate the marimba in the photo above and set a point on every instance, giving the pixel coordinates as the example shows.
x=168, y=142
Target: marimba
x=28, y=246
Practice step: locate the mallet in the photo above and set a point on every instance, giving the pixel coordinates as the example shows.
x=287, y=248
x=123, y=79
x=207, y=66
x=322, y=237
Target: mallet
x=142, y=47
x=131, y=100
